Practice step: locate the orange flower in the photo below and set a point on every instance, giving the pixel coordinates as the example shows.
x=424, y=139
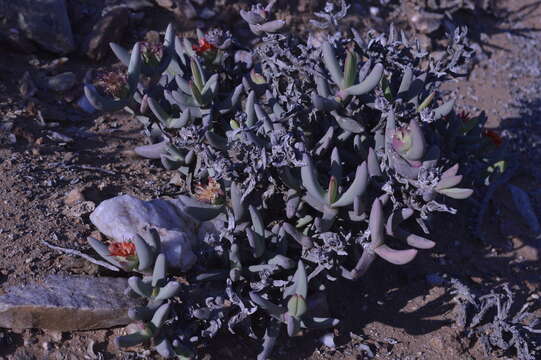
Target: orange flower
x=212, y=193
x=203, y=47
x=493, y=136
x=113, y=83
x=122, y=249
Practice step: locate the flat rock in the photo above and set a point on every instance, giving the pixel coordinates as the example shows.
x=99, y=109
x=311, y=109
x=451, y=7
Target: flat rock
x=66, y=303
x=110, y=28
x=121, y=217
x=45, y=22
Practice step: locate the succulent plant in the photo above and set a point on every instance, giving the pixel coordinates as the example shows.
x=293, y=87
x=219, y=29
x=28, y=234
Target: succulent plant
x=303, y=159
x=258, y=18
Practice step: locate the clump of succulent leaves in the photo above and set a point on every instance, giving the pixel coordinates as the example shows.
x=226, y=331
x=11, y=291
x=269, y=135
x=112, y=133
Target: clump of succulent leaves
x=143, y=255
x=312, y=157
x=497, y=322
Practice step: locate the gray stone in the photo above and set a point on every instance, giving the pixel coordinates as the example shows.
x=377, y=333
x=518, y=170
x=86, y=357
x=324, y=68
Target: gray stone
x=44, y=21
x=426, y=22
x=16, y=40
x=122, y=217
x=61, y=82
x=66, y=303
x=110, y=28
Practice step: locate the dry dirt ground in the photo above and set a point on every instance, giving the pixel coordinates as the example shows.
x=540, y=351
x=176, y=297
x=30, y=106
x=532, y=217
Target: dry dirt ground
x=396, y=311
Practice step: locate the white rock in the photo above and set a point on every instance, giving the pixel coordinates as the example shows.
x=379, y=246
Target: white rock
x=121, y=217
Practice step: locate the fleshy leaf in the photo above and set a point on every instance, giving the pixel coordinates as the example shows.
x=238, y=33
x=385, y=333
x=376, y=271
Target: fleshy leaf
x=457, y=193
x=397, y=257
x=368, y=84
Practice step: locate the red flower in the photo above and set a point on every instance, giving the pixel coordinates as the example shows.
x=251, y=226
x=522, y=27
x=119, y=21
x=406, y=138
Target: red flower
x=464, y=116
x=203, y=47
x=123, y=249
x=493, y=136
